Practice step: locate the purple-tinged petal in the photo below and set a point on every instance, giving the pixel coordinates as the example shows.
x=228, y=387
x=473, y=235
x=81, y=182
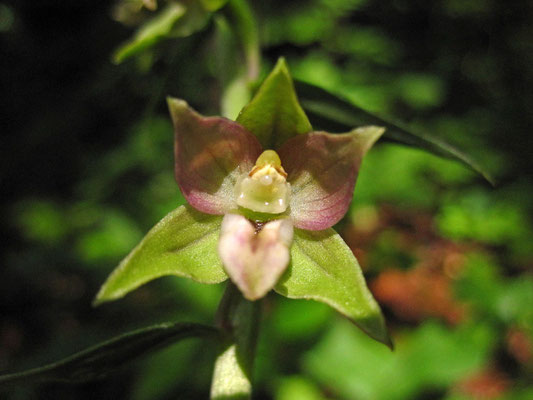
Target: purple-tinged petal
x=322, y=169
x=254, y=260
x=211, y=153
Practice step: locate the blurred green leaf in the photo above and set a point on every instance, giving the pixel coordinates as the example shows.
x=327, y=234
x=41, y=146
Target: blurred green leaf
x=407, y=177
x=483, y=217
x=298, y=387
x=158, y=28
x=306, y=23
x=365, y=43
x=432, y=357
x=113, y=235
x=421, y=91
x=42, y=220
x=331, y=112
x=213, y=5
x=176, y=20
x=102, y=359
x=323, y=268
x=274, y=114
x=165, y=370
x=493, y=296
x=184, y=243
x=298, y=320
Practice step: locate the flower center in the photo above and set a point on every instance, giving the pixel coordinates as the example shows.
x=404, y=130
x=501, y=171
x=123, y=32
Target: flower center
x=265, y=189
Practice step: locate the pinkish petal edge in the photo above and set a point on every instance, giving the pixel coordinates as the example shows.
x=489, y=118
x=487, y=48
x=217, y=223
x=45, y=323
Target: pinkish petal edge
x=210, y=154
x=322, y=170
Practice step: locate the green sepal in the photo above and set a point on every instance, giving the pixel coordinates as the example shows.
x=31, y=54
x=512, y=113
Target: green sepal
x=183, y=243
x=323, y=268
x=176, y=20
x=104, y=358
x=274, y=114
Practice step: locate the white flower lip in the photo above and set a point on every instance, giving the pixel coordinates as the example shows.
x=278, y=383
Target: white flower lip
x=255, y=258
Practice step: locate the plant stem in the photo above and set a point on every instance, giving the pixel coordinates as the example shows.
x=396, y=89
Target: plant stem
x=238, y=319
x=246, y=30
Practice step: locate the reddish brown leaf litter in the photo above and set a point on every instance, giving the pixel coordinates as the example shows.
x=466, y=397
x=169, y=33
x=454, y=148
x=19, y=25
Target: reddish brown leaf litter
x=484, y=385
x=426, y=288
x=520, y=346
x=418, y=294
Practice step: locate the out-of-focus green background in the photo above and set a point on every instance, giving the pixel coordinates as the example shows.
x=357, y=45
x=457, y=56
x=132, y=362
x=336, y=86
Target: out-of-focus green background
x=86, y=170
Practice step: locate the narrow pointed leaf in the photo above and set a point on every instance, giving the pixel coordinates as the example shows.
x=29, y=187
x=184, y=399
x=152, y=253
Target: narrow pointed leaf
x=211, y=153
x=322, y=170
x=184, y=243
x=333, y=113
x=104, y=358
x=323, y=268
x=274, y=114
x=176, y=20
x=254, y=261
x=151, y=33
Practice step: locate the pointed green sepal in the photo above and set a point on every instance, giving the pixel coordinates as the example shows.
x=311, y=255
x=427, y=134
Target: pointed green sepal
x=183, y=243
x=274, y=114
x=323, y=268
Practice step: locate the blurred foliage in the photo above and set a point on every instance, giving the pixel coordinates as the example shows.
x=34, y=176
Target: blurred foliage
x=87, y=169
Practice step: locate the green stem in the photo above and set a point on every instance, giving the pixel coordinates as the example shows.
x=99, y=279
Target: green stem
x=247, y=32
x=238, y=318
x=238, y=37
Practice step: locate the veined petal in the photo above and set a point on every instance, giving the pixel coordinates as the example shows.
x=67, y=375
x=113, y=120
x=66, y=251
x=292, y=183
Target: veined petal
x=322, y=169
x=210, y=154
x=254, y=260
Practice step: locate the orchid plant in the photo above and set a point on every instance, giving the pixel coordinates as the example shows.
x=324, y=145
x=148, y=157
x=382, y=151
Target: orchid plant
x=263, y=193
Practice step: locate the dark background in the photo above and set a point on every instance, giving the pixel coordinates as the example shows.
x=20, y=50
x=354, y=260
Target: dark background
x=86, y=170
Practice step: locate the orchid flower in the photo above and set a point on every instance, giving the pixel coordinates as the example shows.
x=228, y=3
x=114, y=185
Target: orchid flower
x=263, y=193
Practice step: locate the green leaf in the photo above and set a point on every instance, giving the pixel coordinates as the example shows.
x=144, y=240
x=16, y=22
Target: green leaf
x=98, y=361
x=274, y=114
x=323, y=268
x=152, y=32
x=213, y=5
x=176, y=20
x=183, y=243
x=333, y=113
